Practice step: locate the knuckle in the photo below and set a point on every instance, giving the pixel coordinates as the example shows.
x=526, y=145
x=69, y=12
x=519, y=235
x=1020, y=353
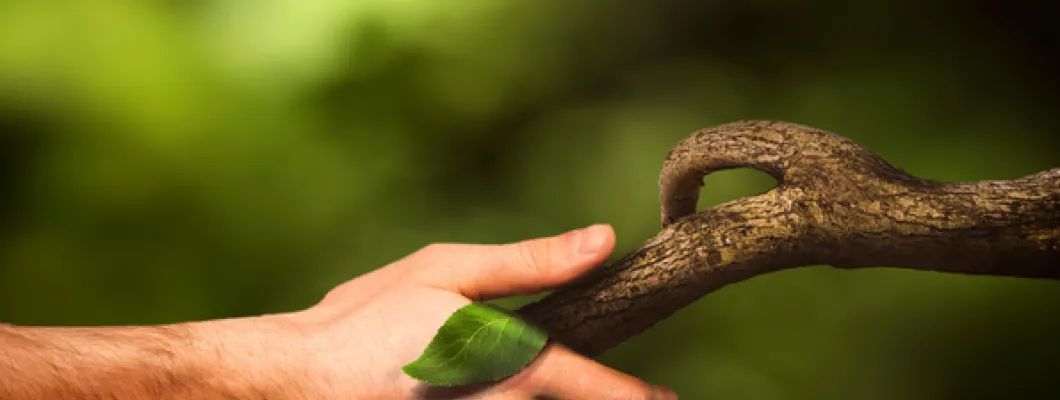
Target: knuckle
x=534, y=385
x=640, y=392
x=533, y=255
x=435, y=249
x=432, y=259
x=430, y=255
x=645, y=394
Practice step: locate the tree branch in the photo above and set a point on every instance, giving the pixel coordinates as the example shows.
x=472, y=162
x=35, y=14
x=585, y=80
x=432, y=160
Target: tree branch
x=836, y=203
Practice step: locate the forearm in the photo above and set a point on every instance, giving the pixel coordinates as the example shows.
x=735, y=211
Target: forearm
x=204, y=360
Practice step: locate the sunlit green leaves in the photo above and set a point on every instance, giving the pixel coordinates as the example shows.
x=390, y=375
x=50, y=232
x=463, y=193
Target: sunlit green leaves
x=478, y=343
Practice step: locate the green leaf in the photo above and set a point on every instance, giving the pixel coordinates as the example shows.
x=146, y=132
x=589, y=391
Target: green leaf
x=479, y=343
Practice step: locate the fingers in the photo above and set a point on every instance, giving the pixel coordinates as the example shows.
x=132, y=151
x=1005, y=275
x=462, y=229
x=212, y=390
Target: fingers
x=482, y=272
x=559, y=373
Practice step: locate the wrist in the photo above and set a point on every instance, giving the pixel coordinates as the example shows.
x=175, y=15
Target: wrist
x=252, y=357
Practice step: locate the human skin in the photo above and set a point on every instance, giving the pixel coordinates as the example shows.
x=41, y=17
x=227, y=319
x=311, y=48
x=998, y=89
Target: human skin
x=351, y=345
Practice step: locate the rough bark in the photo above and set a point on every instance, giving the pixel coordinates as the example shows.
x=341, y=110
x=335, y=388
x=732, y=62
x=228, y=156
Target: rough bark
x=836, y=203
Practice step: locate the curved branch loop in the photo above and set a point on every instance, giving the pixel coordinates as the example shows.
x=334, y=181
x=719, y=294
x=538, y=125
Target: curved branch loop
x=836, y=203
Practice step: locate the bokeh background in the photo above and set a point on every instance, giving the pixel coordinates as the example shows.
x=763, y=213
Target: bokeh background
x=164, y=161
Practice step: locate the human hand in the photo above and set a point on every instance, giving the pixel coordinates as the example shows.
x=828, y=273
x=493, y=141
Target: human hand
x=355, y=342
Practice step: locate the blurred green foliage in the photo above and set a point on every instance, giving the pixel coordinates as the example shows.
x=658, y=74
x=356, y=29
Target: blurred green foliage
x=163, y=161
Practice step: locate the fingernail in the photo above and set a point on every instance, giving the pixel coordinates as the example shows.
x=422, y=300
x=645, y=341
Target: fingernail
x=587, y=241
x=663, y=393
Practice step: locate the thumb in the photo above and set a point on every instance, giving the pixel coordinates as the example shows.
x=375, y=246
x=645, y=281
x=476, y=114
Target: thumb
x=559, y=373
x=483, y=272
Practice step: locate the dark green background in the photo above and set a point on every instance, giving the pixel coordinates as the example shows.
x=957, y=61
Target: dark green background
x=164, y=161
